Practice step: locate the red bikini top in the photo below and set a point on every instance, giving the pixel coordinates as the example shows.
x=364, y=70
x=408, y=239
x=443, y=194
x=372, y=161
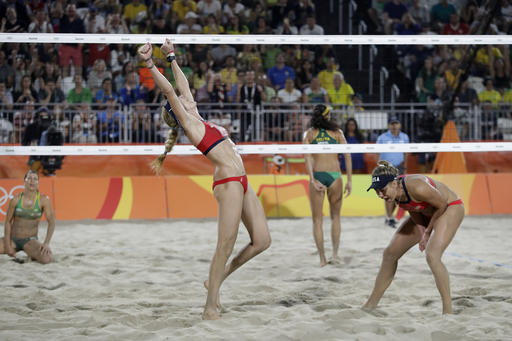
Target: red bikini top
x=213, y=135
x=410, y=205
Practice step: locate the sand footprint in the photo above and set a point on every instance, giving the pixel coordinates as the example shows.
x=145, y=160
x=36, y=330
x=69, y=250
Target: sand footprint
x=323, y=307
x=426, y=303
x=497, y=298
x=475, y=291
x=54, y=287
x=332, y=279
x=463, y=302
x=404, y=329
x=375, y=312
x=443, y=336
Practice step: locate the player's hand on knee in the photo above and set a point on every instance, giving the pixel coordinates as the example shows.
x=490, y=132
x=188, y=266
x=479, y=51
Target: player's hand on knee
x=424, y=241
x=45, y=250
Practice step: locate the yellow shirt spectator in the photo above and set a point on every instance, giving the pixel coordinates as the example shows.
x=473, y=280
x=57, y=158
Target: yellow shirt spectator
x=213, y=30
x=483, y=58
x=242, y=29
x=227, y=77
x=451, y=78
x=507, y=97
x=342, y=95
x=492, y=96
x=457, y=53
x=198, y=81
x=326, y=78
x=132, y=9
x=182, y=7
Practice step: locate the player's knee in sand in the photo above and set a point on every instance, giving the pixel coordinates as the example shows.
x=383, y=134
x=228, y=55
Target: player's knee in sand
x=34, y=251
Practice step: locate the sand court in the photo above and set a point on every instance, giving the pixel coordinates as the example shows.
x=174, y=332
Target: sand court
x=143, y=280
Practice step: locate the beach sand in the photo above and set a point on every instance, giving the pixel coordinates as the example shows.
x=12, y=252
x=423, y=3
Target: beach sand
x=143, y=280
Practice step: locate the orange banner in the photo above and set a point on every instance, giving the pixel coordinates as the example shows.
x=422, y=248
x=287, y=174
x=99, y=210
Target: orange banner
x=500, y=186
x=110, y=198
x=190, y=197
x=158, y=197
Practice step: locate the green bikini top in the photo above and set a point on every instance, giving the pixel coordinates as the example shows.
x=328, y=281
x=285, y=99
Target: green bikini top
x=33, y=212
x=323, y=138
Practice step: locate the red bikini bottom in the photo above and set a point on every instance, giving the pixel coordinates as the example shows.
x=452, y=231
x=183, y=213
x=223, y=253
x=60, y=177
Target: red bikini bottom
x=456, y=202
x=242, y=179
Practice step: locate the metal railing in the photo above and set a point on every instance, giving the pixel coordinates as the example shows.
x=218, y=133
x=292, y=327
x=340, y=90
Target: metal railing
x=340, y=16
x=361, y=30
x=384, y=75
x=273, y=122
x=373, y=53
x=352, y=8
x=395, y=93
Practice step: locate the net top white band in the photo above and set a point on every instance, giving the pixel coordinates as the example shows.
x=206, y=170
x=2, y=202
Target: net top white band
x=260, y=149
x=264, y=39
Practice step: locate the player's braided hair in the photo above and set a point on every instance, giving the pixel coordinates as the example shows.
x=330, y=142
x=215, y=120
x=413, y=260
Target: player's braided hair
x=172, y=138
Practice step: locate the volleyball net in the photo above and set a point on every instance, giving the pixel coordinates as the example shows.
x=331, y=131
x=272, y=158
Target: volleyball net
x=261, y=149
x=382, y=78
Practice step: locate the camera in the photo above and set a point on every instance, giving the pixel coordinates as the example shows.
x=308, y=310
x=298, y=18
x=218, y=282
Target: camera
x=51, y=163
x=44, y=132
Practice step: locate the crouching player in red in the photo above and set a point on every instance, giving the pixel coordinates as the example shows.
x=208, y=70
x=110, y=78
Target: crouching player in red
x=436, y=213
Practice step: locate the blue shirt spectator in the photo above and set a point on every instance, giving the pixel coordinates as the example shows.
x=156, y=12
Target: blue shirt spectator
x=101, y=96
x=105, y=92
x=131, y=92
x=109, y=122
x=279, y=73
x=394, y=135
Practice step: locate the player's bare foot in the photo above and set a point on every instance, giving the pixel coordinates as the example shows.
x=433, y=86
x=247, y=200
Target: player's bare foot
x=367, y=308
x=210, y=314
x=219, y=306
x=334, y=260
x=374, y=311
x=447, y=311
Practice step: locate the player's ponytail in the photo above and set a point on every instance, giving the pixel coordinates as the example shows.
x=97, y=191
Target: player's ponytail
x=385, y=168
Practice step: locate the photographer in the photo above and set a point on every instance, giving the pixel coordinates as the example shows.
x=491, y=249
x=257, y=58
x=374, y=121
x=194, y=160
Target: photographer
x=43, y=132
x=51, y=137
x=33, y=131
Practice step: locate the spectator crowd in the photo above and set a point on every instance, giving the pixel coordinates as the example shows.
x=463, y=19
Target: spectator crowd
x=88, y=88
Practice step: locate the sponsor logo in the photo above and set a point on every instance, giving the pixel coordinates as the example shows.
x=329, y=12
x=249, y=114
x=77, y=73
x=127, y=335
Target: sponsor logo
x=6, y=195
